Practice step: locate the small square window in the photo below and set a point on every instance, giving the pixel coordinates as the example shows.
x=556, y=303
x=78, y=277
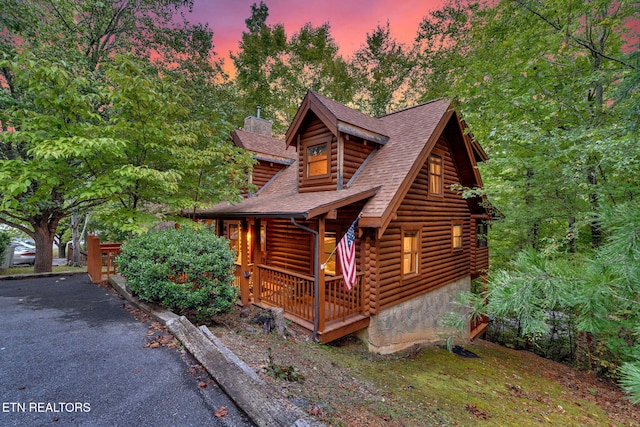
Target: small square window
x=456, y=236
x=318, y=160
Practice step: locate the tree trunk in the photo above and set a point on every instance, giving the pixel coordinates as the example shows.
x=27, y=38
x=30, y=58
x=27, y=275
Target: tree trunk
x=571, y=236
x=596, y=230
x=44, y=250
x=75, y=236
x=533, y=234
x=62, y=249
x=44, y=233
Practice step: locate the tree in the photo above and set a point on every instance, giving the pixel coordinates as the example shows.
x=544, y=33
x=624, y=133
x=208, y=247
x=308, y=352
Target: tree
x=381, y=66
x=548, y=88
x=65, y=147
x=537, y=84
x=275, y=71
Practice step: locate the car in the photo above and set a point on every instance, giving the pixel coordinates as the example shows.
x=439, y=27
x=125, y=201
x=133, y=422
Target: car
x=24, y=253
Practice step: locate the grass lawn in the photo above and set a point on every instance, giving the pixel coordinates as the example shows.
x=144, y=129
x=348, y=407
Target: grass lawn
x=29, y=270
x=343, y=384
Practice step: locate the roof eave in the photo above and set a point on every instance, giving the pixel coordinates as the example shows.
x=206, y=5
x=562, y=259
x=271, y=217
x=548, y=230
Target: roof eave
x=323, y=209
x=362, y=133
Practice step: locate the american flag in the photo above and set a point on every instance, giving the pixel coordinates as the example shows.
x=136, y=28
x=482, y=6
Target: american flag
x=347, y=255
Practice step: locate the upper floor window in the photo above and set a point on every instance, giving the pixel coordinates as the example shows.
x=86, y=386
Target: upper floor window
x=435, y=175
x=318, y=160
x=410, y=254
x=456, y=236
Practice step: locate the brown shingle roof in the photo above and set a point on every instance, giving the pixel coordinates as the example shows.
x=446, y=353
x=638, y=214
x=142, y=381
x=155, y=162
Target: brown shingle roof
x=412, y=134
x=265, y=146
x=337, y=117
x=351, y=116
x=384, y=180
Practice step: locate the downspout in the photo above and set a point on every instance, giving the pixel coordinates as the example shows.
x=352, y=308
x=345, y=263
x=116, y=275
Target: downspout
x=316, y=274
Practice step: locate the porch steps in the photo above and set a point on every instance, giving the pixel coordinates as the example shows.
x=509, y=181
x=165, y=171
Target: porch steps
x=478, y=330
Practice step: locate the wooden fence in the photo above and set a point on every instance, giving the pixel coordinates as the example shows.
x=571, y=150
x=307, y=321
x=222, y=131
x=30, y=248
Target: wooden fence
x=101, y=258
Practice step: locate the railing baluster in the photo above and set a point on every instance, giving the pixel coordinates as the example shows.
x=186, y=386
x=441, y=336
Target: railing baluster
x=294, y=293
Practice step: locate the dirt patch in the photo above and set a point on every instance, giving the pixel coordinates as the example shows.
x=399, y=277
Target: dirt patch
x=343, y=384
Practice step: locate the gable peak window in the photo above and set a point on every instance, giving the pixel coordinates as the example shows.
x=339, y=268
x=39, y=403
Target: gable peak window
x=435, y=175
x=318, y=160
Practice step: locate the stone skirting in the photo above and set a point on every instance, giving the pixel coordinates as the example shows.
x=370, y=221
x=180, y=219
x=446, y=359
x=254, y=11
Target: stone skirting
x=417, y=321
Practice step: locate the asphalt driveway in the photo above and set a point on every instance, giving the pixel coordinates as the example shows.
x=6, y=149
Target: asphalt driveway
x=71, y=354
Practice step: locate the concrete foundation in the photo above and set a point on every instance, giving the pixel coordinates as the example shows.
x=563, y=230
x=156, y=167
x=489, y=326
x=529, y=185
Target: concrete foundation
x=416, y=321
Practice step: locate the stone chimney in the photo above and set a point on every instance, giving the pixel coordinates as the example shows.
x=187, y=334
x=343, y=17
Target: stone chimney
x=258, y=125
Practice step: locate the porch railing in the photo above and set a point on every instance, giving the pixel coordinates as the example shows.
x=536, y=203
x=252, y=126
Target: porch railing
x=293, y=292
x=340, y=302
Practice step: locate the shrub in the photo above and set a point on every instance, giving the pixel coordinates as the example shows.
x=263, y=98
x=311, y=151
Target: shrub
x=187, y=271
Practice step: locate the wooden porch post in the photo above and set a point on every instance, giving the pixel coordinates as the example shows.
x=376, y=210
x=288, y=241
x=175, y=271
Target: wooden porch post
x=243, y=232
x=257, y=258
x=94, y=258
x=321, y=281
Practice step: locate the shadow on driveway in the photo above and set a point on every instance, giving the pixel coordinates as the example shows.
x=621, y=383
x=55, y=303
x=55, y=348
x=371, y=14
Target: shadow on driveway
x=71, y=353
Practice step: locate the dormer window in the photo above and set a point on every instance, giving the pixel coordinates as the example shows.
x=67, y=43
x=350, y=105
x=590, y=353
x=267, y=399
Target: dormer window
x=318, y=160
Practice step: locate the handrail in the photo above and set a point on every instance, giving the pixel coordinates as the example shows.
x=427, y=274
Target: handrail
x=285, y=271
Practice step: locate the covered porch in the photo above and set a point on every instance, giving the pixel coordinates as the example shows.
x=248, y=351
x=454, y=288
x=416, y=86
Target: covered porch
x=287, y=258
x=271, y=272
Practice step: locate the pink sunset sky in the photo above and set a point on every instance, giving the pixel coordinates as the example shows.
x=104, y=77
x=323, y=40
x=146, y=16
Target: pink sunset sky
x=350, y=20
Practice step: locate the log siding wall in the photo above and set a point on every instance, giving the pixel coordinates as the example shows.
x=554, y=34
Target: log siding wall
x=263, y=172
x=317, y=133
x=434, y=216
x=354, y=154
x=289, y=247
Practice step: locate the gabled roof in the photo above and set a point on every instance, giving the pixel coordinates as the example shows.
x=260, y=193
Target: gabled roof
x=385, y=178
x=337, y=117
x=264, y=147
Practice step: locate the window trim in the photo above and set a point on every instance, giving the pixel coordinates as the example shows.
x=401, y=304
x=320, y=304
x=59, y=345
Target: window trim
x=440, y=175
x=305, y=160
x=418, y=251
x=454, y=225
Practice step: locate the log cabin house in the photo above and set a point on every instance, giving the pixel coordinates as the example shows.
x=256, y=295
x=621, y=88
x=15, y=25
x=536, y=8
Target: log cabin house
x=418, y=241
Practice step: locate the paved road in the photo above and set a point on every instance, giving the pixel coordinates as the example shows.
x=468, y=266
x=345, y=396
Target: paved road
x=70, y=354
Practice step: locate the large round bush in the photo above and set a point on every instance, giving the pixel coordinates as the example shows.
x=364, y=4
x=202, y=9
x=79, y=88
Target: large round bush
x=187, y=271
